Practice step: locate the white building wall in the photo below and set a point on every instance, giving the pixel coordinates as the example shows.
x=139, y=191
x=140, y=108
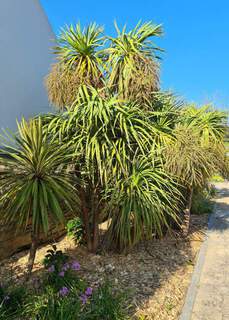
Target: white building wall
x=26, y=39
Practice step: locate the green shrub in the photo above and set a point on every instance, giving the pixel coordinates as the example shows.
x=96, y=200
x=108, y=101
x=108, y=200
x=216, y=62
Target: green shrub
x=61, y=271
x=54, y=257
x=75, y=230
x=201, y=202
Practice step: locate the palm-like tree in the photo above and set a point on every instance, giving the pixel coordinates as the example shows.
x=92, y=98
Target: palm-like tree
x=212, y=123
x=129, y=65
x=35, y=186
x=109, y=138
x=142, y=204
x=133, y=61
x=132, y=143
x=79, y=61
x=197, y=150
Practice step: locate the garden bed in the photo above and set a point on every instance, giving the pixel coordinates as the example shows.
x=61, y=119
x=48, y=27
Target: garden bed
x=155, y=273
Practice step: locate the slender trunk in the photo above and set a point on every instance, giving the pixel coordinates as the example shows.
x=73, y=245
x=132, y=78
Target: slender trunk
x=87, y=228
x=187, y=213
x=85, y=218
x=95, y=220
x=32, y=254
x=95, y=243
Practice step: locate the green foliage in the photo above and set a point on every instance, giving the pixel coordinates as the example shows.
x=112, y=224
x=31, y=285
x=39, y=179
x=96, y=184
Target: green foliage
x=12, y=302
x=34, y=183
x=36, y=187
x=138, y=152
x=128, y=64
x=197, y=151
x=61, y=271
x=70, y=302
x=132, y=58
x=143, y=203
x=202, y=201
x=131, y=158
x=76, y=230
x=211, y=123
x=55, y=258
x=103, y=304
x=107, y=304
x=50, y=306
x=188, y=159
x=73, y=300
x=120, y=150
x=117, y=160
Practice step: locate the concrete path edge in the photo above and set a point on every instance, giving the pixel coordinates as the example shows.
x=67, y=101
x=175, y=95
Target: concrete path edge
x=192, y=290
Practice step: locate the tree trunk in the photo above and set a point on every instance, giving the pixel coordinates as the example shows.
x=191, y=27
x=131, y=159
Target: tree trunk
x=90, y=217
x=87, y=228
x=95, y=243
x=32, y=254
x=187, y=213
x=85, y=218
x=95, y=221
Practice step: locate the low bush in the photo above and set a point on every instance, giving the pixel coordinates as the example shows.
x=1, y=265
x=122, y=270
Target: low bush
x=202, y=200
x=75, y=230
x=61, y=271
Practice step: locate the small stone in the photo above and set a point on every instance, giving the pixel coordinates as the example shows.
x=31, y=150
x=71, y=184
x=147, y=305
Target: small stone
x=101, y=269
x=95, y=258
x=109, y=268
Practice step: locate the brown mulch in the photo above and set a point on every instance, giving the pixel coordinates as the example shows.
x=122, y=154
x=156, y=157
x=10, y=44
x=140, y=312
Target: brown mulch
x=156, y=273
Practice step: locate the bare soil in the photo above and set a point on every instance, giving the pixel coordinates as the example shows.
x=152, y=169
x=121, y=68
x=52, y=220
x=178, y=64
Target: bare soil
x=156, y=273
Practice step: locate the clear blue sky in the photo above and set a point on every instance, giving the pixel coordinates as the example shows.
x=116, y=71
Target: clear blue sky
x=196, y=60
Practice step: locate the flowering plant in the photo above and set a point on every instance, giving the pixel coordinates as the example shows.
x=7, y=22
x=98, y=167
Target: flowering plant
x=55, y=258
x=61, y=270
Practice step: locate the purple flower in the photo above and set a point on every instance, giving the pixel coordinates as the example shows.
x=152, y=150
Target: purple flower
x=75, y=265
x=65, y=267
x=64, y=291
x=83, y=298
x=88, y=291
x=61, y=274
x=51, y=268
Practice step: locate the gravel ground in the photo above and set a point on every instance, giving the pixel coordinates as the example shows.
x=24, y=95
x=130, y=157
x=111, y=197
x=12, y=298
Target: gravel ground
x=156, y=273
